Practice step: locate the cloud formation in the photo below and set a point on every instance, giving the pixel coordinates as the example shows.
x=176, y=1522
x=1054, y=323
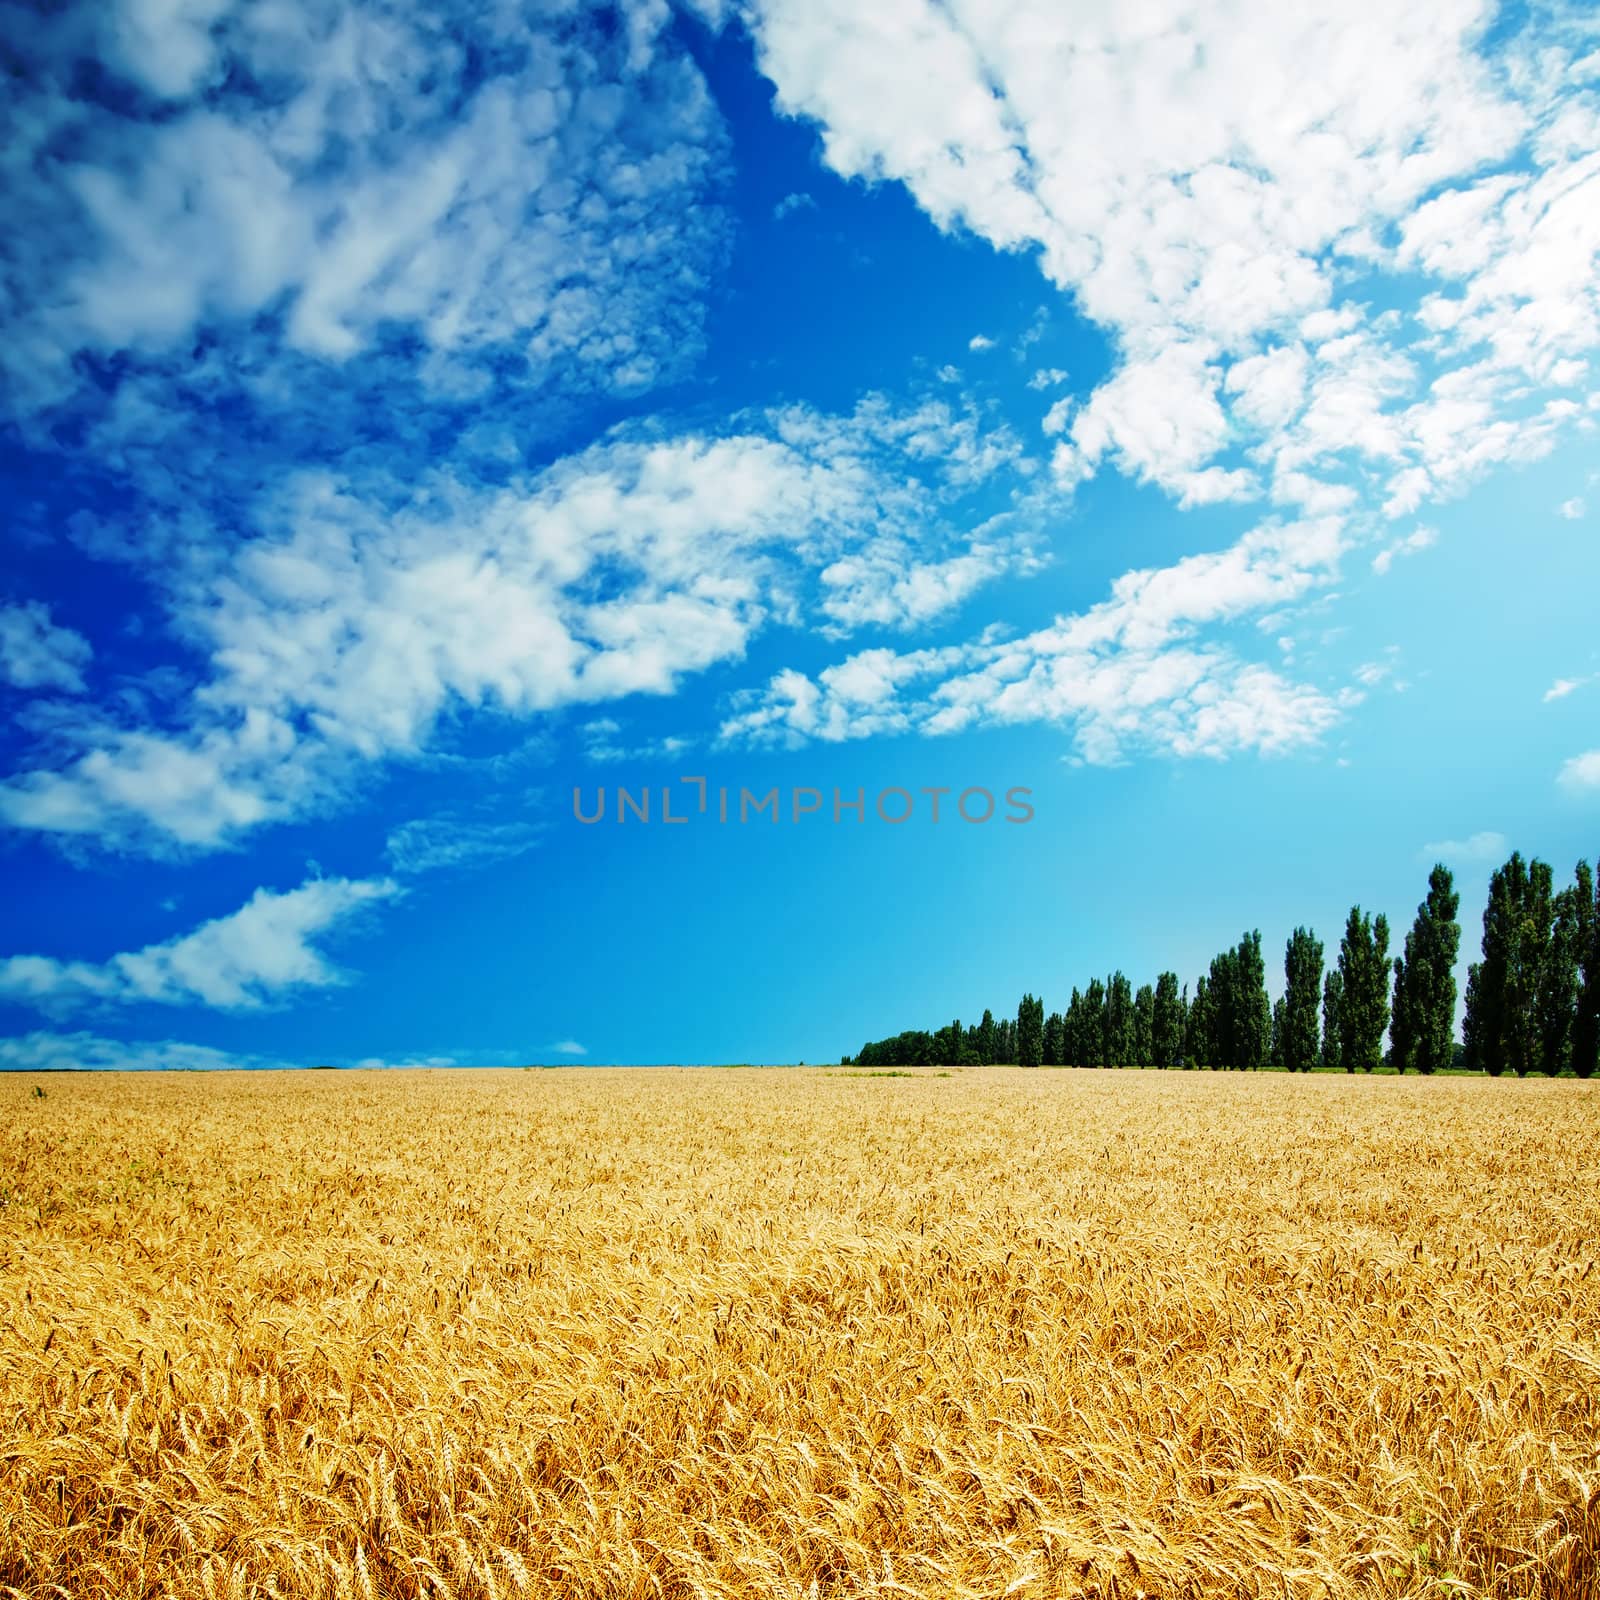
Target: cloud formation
x=1234, y=244
x=242, y=961
x=1478, y=850
x=1128, y=674
x=352, y=623
x=1581, y=773
x=514, y=190
x=36, y=654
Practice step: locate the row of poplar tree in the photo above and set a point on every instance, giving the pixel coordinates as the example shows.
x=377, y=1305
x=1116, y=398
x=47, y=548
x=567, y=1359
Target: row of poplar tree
x=1532, y=1000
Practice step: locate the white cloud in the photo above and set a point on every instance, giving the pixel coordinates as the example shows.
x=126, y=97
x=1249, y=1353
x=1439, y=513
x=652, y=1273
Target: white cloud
x=1420, y=539
x=1570, y=509
x=348, y=627
x=432, y=844
x=1562, y=687
x=569, y=1047
x=601, y=742
x=1581, y=772
x=238, y=962
x=792, y=203
x=1215, y=237
x=88, y=1052
x=1048, y=377
x=36, y=654
x=1477, y=850
x=354, y=169
x=1124, y=675
x=980, y=342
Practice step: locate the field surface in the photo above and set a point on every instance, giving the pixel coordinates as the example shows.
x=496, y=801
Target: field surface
x=628, y=1334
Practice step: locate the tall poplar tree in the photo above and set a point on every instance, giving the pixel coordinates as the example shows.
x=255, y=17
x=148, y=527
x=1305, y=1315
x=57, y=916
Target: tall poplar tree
x=1556, y=996
x=1201, y=1028
x=1504, y=980
x=1332, y=1026
x=1166, y=1022
x=988, y=1039
x=1302, y=979
x=1364, y=1004
x=1253, y=1016
x=1222, y=1013
x=1432, y=968
x=1053, y=1034
x=1072, y=1030
x=1402, y=1021
x=1094, y=1025
x=1504, y=988
x=1030, y=1032
x=1144, y=1009
x=1586, y=1020
x=1119, y=1021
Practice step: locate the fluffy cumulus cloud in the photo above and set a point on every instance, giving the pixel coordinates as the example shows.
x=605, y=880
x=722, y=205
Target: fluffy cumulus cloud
x=242, y=961
x=1234, y=242
x=1131, y=673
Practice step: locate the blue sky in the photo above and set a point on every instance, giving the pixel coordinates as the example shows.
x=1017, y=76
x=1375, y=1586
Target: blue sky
x=407, y=417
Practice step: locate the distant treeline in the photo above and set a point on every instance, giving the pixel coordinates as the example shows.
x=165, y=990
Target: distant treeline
x=1532, y=1001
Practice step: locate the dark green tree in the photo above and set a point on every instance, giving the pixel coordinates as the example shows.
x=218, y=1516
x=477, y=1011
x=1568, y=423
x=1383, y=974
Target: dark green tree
x=1144, y=1017
x=1200, y=1029
x=1402, y=1021
x=1030, y=1032
x=1332, y=1027
x=1222, y=1013
x=1253, y=1021
x=1166, y=1022
x=1431, y=965
x=1556, y=996
x=1275, y=1054
x=988, y=1039
x=1364, y=1003
x=1586, y=1019
x=1053, y=1035
x=1073, y=1030
x=1503, y=1027
x=1119, y=1021
x=1302, y=980
x=1094, y=1024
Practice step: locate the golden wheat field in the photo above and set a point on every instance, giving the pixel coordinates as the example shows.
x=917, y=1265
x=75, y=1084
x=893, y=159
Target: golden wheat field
x=798, y=1333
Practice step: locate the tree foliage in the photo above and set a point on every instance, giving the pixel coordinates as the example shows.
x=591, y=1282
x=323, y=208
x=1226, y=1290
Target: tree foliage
x=1302, y=991
x=1532, y=998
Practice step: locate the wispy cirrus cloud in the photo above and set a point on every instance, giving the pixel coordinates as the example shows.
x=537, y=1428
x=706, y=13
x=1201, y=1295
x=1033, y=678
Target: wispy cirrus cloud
x=450, y=843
